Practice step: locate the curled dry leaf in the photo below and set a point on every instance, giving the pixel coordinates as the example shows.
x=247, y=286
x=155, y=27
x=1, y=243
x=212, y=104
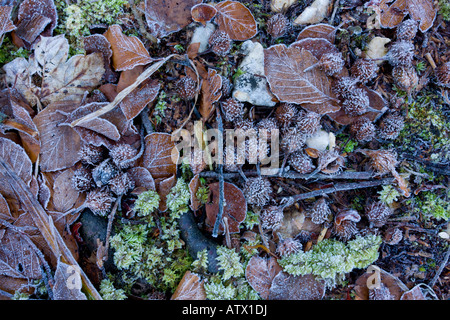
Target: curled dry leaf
x=203, y=13
x=141, y=178
x=288, y=287
x=67, y=280
x=128, y=51
x=99, y=43
x=45, y=8
x=235, y=209
x=236, y=20
x=284, y=67
x=190, y=288
x=260, y=273
x=167, y=16
x=422, y=11
x=136, y=101
x=6, y=25
x=160, y=155
x=211, y=93
x=59, y=144
x=194, y=184
x=320, y=30
x=163, y=186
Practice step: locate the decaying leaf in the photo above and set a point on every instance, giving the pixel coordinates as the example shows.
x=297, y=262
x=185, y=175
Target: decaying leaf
x=288, y=287
x=29, y=29
x=194, y=184
x=203, y=13
x=236, y=20
x=142, y=178
x=167, y=16
x=160, y=155
x=284, y=67
x=260, y=273
x=422, y=11
x=64, y=195
x=316, y=46
x=235, y=209
x=163, y=186
x=128, y=51
x=45, y=8
x=190, y=288
x=67, y=283
x=136, y=101
x=6, y=25
x=211, y=93
x=99, y=43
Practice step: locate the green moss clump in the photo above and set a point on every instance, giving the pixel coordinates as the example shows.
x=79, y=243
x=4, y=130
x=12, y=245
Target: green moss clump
x=330, y=259
x=388, y=194
x=178, y=199
x=108, y=292
x=431, y=204
x=146, y=203
x=444, y=9
x=8, y=51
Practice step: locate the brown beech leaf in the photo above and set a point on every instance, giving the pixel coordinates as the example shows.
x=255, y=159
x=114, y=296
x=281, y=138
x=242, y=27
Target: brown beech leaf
x=190, y=288
x=320, y=30
x=203, y=13
x=99, y=43
x=128, y=51
x=422, y=11
x=414, y=294
x=60, y=144
x=395, y=285
x=5, y=213
x=64, y=194
x=284, y=67
x=317, y=46
x=6, y=25
x=376, y=101
x=160, y=155
x=66, y=274
x=167, y=16
x=211, y=93
x=17, y=158
x=142, y=178
x=136, y=101
x=235, y=209
x=46, y=8
x=288, y=287
x=236, y=20
x=260, y=273
x=29, y=29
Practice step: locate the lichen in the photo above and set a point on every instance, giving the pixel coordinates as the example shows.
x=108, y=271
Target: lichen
x=330, y=259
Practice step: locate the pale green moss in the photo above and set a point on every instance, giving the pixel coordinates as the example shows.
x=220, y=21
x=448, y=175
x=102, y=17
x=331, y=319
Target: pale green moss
x=178, y=199
x=388, y=194
x=108, y=292
x=146, y=203
x=201, y=263
x=229, y=262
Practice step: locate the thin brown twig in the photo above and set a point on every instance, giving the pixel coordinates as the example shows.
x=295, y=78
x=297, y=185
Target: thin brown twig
x=347, y=175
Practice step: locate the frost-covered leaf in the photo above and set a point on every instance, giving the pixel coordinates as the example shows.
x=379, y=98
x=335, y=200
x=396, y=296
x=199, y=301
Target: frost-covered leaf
x=59, y=144
x=289, y=287
x=99, y=43
x=284, y=67
x=67, y=283
x=46, y=8
x=142, y=178
x=422, y=11
x=236, y=20
x=414, y=294
x=29, y=29
x=18, y=74
x=160, y=155
x=136, y=101
x=128, y=51
x=235, y=209
x=317, y=46
x=64, y=195
x=167, y=16
x=395, y=285
x=194, y=184
x=17, y=158
x=320, y=30
x=260, y=273
x=190, y=288
x=203, y=13
x=211, y=93
x=6, y=25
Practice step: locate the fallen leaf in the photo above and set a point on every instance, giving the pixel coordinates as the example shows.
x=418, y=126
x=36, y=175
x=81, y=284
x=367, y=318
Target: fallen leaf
x=59, y=144
x=422, y=11
x=413, y=294
x=6, y=25
x=29, y=29
x=67, y=283
x=163, y=186
x=139, y=98
x=194, y=184
x=190, y=288
x=395, y=285
x=168, y=16
x=160, y=155
x=260, y=273
x=45, y=8
x=203, y=13
x=236, y=20
x=128, y=51
x=142, y=178
x=320, y=30
x=284, y=67
x=235, y=209
x=211, y=93
x=317, y=46
x=64, y=195
x=288, y=287
x=99, y=43
x=314, y=13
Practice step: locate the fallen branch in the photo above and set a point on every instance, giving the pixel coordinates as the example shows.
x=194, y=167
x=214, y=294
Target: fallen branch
x=215, y=231
x=348, y=175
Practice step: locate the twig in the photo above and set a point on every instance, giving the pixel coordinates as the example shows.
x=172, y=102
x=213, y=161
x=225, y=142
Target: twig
x=109, y=227
x=146, y=121
x=347, y=175
x=221, y=183
x=441, y=268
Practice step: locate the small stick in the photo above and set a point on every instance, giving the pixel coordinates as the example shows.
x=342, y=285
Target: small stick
x=441, y=268
x=221, y=184
x=430, y=60
x=347, y=175
x=109, y=228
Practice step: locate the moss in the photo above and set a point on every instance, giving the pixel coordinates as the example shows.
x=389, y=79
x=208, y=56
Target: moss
x=444, y=9
x=178, y=199
x=432, y=204
x=108, y=292
x=388, y=194
x=229, y=262
x=8, y=51
x=146, y=203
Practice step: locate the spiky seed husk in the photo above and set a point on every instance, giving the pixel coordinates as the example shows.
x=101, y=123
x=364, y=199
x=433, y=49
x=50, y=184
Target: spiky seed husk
x=104, y=172
x=407, y=30
x=393, y=236
x=288, y=246
x=99, y=201
x=363, y=129
x=231, y=164
x=268, y=124
x=300, y=162
x=271, y=217
x=391, y=126
x=121, y=184
x=122, y=155
x=380, y=293
x=82, y=179
x=331, y=63
x=405, y=77
x=91, y=154
x=292, y=140
x=285, y=113
x=257, y=191
x=186, y=88
x=233, y=109
x=356, y=103
x=308, y=122
x=443, y=75
x=377, y=213
x=320, y=211
x=220, y=42
x=364, y=70
x=344, y=87
x=345, y=230
x=227, y=87
x=330, y=161
x=401, y=53
x=383, y=161
x=277, y=25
